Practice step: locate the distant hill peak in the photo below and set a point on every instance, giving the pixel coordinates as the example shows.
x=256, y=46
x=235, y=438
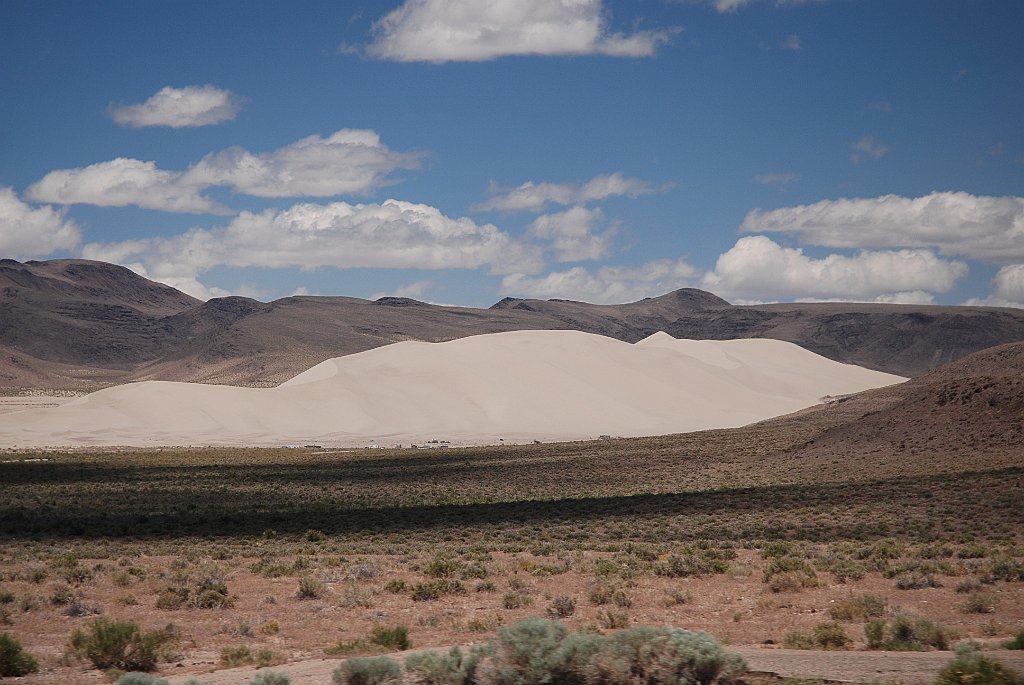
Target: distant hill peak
x=399, y=302
x=688, y=298
x=100, y=283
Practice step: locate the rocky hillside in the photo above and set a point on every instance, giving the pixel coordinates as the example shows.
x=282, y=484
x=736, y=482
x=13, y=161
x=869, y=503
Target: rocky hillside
x=82, y=325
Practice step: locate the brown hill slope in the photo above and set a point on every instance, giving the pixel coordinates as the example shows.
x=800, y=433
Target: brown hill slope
x=971, y=407
x=73, y=323
x=80, y=324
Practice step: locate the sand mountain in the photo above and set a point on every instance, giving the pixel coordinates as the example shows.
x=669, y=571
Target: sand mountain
x=518, y=386
x=84, y=325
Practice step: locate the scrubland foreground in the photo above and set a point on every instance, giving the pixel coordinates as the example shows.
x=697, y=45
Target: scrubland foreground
x=260, y=557
x=890, y=521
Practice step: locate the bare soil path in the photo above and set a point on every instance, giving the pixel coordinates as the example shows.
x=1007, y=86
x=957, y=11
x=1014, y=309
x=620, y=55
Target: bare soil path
x=908, y=668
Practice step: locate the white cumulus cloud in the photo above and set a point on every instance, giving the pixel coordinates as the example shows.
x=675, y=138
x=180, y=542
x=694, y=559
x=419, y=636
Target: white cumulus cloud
x=606, y=285
x=954, y=223
x=393, y=234
x=779, y=179
x=179, y=108
x=1007, y=288
x=868, y=147
x=792, y=42
x=534, y=197
x=27, y=231
x=350, y=161
x=121, y=182
x=473, y=31
x=728, y=5
x=758, y=269
x=573, y=234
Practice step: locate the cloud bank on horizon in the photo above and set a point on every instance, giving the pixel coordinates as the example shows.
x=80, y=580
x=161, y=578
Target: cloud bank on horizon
x=462, y=151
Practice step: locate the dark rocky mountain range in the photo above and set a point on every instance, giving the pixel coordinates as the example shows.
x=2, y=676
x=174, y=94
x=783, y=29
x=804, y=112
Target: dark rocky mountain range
x=77, y=324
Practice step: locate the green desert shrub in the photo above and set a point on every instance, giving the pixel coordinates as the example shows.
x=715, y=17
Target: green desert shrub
x=396, y=586
x=524, y=652
x=692, y=563
x=789, y=574
x=212, y=594
x=541, y=651
x=971, y=667
x=436, y=589
x=562, y=606
x=395, y=637
x=916, y=580
x=516, y=600
x=613, y=619
x=453, y=668
x=231, y=657
x=380, y=670
x=14, y=660
x=118, y=644
x=601, y=593
x=244, y=656
x=676, y=597
x=846, y=569
x=827, y=635
x=980, y=603
x=172, y=598
x=441, y=567
x=62, y=596
x=858, y=608
x=1016, y=643
x=310, y=588
x=137, y=678
x=271, y=678
x=905, y=633
x=967, y=586
x=666, y=655
x=1004, y=568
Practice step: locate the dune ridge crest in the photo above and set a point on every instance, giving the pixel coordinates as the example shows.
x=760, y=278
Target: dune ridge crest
x=513, y=386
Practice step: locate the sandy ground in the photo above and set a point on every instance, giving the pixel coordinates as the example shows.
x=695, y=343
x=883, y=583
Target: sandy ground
x=41, y=401
x=512, y=387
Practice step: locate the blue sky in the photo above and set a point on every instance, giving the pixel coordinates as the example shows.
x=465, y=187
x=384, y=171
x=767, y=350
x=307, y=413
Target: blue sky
x=457, y=151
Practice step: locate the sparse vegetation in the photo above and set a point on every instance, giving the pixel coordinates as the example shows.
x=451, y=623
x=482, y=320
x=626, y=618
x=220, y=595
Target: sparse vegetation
x=271, y=678
x=394, y=637
x=971, y=667
x=980, y=603
x=141, y=679
x=231, y=657
x=118, y=644
x=368, y=671
x=906, y=633
x=310, y=588
x=858, y=608
x=562, y=607
x=823, y=636
x=452, y=668
x=541, y=651
x=640, y=537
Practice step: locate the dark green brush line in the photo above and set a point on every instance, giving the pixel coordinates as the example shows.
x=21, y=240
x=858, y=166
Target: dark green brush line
x=922, y=508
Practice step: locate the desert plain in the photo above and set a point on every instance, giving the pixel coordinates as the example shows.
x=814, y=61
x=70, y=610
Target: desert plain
x=892, y=507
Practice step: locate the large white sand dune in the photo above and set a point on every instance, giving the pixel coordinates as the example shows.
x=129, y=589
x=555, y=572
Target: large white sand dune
x=523, y=385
